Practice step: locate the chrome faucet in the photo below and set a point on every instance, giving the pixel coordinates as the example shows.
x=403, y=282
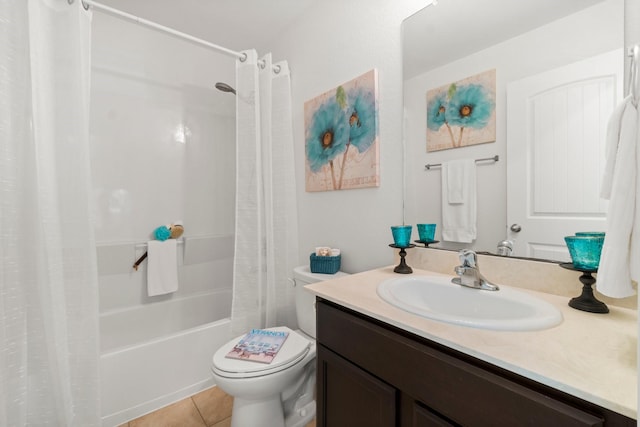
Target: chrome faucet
x=470, y=274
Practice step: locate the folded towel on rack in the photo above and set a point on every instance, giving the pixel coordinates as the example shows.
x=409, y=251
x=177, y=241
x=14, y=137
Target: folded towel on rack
x=162, y=267
x=459, y=201
x=620, y=185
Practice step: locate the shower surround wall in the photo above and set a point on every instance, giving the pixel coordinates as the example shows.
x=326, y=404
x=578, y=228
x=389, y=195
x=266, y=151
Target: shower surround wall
x=162, y=149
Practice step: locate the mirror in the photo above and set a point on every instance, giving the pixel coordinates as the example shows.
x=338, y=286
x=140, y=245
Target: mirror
x=456, y=39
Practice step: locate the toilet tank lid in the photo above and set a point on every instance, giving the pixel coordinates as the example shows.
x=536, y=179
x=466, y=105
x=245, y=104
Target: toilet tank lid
x=304, y=274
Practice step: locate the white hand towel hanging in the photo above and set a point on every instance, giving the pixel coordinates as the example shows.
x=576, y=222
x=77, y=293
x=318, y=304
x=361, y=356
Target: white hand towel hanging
x=457, y=181
x=162, y=267
x=620, y=186
x=459, y=201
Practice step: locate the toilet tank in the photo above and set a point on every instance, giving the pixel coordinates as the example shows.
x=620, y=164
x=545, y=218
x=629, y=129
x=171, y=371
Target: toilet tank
x=305, y=300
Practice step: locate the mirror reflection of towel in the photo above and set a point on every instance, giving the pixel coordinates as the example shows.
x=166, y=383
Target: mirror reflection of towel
x=459, y=204
x=162, y=267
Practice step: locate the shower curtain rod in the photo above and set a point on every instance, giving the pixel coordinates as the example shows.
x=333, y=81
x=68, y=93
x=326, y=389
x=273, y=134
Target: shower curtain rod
x=239, y=55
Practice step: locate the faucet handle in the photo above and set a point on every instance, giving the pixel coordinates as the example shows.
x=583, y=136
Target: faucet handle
x=460, y=270
x=468, y=258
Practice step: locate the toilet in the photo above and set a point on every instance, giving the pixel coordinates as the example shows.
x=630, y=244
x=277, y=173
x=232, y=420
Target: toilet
x=281, y=393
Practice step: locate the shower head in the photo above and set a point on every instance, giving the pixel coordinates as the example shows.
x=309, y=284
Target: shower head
x=225, y=88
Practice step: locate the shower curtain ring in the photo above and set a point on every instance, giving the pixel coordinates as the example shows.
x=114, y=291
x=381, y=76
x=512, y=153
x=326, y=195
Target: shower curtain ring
x=277, y=69
x=243, y=57
x=84, y=5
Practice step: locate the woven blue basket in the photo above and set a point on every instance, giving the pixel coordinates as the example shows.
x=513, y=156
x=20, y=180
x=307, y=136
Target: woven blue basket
x=324, y=264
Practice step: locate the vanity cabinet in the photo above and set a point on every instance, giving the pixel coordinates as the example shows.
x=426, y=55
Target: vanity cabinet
x=373, y=374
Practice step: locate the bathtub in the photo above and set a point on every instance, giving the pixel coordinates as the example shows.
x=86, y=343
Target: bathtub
x=164, y=358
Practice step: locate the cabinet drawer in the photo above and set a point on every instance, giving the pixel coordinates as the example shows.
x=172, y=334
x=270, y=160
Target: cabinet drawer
x=463, y=392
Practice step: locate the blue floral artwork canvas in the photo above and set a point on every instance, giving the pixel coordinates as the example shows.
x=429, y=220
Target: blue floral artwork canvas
x=341, y=136
x=462, y=113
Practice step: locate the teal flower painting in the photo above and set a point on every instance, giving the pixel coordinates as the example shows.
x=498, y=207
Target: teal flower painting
x=462, y=113
x=341, y=136
x=328, y=135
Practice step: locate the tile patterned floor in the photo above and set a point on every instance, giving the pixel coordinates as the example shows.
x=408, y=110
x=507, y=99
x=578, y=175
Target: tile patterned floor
x=209, y=408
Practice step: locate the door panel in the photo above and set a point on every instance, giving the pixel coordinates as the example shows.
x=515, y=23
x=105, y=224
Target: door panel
x=556, y=126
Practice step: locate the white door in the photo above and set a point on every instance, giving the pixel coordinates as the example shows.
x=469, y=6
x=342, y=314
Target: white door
x=556, y=126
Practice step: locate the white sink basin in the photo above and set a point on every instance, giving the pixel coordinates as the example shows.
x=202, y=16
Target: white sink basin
x=435, y=297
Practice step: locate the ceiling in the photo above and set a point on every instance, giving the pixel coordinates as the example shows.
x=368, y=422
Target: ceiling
x=234, y=24
x=453, y=29
x=245, y=24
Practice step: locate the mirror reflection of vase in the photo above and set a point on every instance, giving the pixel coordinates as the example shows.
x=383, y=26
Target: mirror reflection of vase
x=520, y=41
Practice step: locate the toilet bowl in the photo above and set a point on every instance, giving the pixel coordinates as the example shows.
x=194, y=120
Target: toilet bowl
x=280, y=393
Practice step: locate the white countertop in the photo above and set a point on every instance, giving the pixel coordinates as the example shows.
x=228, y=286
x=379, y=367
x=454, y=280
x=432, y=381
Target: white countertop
x=591, y=356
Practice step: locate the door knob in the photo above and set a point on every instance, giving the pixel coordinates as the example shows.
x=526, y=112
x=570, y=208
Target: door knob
x=516, y=228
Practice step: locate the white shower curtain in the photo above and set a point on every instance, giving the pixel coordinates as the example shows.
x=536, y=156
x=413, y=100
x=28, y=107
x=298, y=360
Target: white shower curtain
x=48, y=278
x=266, y=247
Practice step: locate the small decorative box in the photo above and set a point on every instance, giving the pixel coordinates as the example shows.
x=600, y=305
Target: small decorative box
x=324, y=264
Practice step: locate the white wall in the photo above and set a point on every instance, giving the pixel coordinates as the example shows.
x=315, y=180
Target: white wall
x=333, y=43
x=579, y=36
x=162, y=137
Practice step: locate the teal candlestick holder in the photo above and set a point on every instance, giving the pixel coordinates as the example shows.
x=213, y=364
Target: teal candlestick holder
x=403, y=268
x=586, y=301
x=427, y=232
x=401, y=235
x=585, y=250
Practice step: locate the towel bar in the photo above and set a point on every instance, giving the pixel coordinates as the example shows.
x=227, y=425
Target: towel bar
x=495, y=158
x=145, y=254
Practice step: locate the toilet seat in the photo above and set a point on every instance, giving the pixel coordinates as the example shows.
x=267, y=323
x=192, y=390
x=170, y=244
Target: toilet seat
x=294, y=349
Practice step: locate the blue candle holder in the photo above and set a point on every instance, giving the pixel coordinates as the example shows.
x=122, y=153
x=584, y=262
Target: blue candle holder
x=585, y=250
x=427, y=232
x=401, y=235
x=401, y=239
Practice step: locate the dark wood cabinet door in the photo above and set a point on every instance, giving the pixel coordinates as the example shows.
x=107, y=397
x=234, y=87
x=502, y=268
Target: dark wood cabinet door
x=423, y=417
x=350, y=397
